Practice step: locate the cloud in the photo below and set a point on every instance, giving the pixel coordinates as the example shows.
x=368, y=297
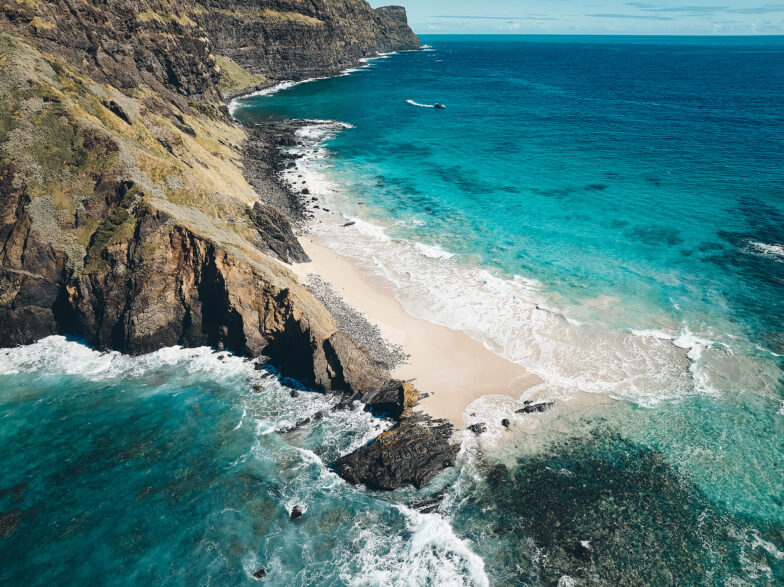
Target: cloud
x=707, y=10
x=506, y=18
x=688, y=9
x=632, y=16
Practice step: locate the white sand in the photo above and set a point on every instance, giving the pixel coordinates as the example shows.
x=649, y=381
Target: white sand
x=450, y=366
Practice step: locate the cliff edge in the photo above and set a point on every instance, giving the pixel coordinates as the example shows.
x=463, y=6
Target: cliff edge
x=126, y=213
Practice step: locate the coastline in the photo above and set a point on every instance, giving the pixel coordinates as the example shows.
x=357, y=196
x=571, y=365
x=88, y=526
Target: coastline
x=449, y=368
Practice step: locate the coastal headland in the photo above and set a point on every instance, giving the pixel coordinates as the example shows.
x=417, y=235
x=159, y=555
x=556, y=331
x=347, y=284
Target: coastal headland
x=135, y=214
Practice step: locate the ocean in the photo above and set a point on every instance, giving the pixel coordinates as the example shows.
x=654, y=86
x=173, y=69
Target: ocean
x=606, y=211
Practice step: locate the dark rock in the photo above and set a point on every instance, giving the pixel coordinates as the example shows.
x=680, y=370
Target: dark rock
x=412, y=452
x=429, y=504
x=260, y=574
x=117, y=110
x=258, y=388
x=296, y=513
x=294, y=393
x=478, y=428
x=303, y=422
x=276, y=234
x=497, y=476
x=532, y=408
x=9, y=522
x=506, y=423
x=258, y=366
x=305, y=191
x=166, y=145
x=343, y=406
x=352, y=223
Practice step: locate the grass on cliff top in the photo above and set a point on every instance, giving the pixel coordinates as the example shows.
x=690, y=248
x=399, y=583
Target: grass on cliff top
x=68, y=148
x=234, y=77
x=164, y=18
x=272, y=15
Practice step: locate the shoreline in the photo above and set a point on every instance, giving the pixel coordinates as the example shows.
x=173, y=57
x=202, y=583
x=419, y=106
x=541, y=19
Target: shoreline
x=449, y=368
x=452, y=370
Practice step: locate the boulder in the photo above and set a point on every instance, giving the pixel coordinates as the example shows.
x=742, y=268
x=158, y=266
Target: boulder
x=478, y=428
x=412, y=452
x=532, y=408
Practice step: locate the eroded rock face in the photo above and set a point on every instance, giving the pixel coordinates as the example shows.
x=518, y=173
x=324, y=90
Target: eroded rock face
x=126, y=44
x=275, y=234
x=128, y=214
x=395, y=34
x=288, y=39
x=412, y=452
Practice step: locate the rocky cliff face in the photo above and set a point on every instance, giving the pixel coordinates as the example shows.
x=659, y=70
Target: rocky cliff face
x=395, y=34
x=126, y=212
x=293, y=39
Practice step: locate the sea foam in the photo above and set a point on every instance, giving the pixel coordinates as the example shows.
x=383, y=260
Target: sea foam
x=516, y=316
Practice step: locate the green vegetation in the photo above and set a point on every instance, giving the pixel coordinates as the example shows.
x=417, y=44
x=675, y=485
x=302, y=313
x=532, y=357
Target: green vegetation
x=273, y=15
x=234, y=77
x=119, y=226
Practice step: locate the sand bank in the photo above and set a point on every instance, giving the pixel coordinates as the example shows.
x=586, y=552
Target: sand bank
x=449, y=366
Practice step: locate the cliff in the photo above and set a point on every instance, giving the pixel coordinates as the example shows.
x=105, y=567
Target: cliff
x=134, y=212
x=285, y=39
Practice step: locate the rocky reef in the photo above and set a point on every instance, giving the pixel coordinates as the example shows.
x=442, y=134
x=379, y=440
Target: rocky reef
x=412, y=452
x=135, y=214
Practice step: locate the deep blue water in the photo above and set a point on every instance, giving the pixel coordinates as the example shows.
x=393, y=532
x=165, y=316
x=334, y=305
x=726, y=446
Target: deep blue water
x=608, y=211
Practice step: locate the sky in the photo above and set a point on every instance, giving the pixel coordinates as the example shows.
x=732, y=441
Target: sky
x=652, y=17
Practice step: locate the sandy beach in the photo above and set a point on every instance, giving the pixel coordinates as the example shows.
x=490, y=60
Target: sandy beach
x=449, y=367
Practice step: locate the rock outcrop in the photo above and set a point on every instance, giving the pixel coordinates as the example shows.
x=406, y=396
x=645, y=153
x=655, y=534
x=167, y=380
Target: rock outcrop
x=135, y=213
x=288, y=39
x=395, y=33
x=412, y=452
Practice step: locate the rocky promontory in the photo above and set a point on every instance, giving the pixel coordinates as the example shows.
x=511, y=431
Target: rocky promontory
x=136, y=214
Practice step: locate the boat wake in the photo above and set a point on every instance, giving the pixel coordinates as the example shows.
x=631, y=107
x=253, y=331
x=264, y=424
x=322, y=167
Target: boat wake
x=421, y=105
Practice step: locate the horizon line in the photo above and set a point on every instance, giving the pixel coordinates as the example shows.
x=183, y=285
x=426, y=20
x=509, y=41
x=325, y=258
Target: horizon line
x=507, y=34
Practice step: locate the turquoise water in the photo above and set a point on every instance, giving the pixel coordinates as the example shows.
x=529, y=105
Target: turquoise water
x=168, y=469
x=609, y=212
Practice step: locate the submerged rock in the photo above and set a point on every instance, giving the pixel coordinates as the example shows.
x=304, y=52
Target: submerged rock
x=478, y=428
x=412, y=452
x=296, y=513
x=260, y=574
x=9, y=522
x=429, y=504
x=535, y=408
x=506, y=423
